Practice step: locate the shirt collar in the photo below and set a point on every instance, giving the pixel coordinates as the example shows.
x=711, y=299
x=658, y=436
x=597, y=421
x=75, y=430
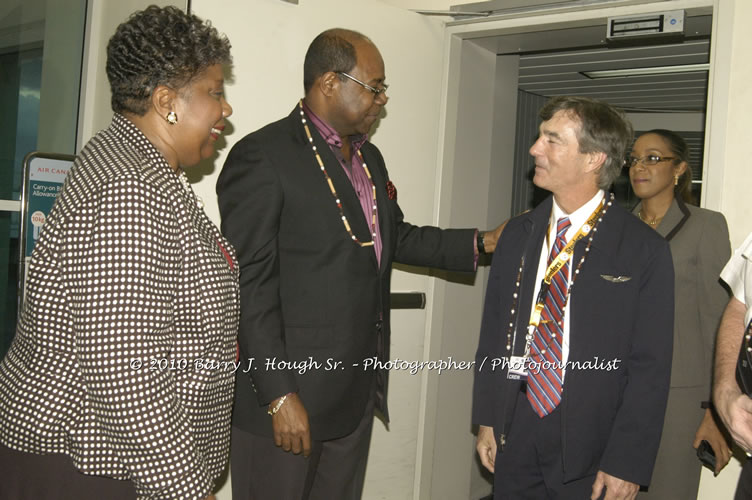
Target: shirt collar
x=579, y=216
x=329, y=134
x=746, y=248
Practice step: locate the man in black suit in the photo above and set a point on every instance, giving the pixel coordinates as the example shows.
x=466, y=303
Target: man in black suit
x=571, y=382
x=309, y=206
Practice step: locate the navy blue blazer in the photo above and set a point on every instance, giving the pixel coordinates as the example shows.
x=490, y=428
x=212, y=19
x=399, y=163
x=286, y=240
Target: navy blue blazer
x=611, y=418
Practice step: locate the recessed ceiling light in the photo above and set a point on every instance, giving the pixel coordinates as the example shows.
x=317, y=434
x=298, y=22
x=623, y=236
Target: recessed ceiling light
x=655, y=70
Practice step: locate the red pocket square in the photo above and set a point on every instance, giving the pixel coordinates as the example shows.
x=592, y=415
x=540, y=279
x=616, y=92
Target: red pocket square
x=391, y=191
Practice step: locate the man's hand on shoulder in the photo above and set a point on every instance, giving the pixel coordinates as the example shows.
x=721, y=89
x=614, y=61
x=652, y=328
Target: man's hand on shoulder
x=491, y=237
x=290, y=425
x=486, y=446
x=616, y=489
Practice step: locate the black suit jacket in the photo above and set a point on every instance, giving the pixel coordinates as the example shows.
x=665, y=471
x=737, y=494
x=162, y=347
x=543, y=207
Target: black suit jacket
x=308, y=292
x=611, y=419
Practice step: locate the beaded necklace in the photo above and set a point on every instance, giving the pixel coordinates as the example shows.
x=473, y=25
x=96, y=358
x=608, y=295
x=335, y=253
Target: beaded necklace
x=515, y=296
x=334, y=192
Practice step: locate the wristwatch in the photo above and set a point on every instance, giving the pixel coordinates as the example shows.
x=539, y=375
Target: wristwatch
x=481, y=244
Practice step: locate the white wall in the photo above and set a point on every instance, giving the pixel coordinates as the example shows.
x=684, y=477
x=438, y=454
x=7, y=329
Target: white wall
x=422, y=4
x=731, y=98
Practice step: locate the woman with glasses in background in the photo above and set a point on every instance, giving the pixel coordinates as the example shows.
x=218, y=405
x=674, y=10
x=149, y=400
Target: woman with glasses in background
x=661, y=177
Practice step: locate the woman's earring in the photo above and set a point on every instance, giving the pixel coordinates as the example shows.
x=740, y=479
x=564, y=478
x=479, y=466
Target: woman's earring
x=172, y=118
x=676, y=176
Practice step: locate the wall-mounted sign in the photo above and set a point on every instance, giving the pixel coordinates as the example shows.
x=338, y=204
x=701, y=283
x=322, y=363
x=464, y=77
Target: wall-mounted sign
x=46, y=175
x=43, y=178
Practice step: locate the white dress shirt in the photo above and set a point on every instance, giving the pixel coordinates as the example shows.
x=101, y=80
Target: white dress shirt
x=738, y=276
x=576, y=219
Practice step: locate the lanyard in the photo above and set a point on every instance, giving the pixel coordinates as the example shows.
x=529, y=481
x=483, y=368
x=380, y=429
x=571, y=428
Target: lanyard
x=557, y=263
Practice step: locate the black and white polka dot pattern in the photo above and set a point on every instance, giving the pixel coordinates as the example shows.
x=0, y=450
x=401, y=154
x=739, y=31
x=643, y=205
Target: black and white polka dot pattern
x=123, y=353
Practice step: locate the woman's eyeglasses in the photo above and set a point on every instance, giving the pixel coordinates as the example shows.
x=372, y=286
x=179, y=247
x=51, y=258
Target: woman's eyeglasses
x=647, y=160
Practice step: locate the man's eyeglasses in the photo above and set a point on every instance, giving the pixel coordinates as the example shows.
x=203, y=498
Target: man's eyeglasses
x=648, y=160
x=376, y=92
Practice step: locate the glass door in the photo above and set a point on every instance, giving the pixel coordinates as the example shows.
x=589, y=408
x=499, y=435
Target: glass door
x=19, y=98
x=8, y=271
x=41, y=49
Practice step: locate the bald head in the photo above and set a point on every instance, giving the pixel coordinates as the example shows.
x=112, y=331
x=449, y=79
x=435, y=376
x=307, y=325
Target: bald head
x=333, y=50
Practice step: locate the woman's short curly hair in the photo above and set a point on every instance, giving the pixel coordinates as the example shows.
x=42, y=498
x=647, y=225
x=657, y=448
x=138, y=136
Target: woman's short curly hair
x=159, y=46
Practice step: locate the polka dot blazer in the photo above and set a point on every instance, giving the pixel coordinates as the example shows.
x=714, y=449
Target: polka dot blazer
x=123, y=353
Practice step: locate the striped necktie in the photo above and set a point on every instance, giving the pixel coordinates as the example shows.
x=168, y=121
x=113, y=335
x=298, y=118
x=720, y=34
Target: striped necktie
x=544, y=379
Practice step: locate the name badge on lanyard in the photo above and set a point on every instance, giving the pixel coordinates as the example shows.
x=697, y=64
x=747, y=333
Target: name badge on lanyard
x=517, y=368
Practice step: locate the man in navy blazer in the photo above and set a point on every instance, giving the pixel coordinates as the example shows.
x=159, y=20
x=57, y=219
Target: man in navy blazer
x=599, y=432
x=308, y=204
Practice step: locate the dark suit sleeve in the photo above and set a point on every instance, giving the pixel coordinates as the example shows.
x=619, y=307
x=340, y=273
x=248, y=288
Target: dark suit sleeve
x=450, y=249
x=250, y=203
x=714, y=250
x=636, y=432
x=429, y=246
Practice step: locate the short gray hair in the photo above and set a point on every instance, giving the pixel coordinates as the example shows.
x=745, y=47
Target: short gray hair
x=603, y=129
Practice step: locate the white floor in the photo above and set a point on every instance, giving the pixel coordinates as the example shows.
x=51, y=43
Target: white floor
x=711, y=488
x=721, y=487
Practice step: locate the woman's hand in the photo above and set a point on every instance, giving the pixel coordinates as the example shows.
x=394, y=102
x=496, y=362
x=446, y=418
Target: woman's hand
x=710, y=431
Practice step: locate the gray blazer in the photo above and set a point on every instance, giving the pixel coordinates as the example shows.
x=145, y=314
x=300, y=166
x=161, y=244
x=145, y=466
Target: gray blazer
x=700, y=247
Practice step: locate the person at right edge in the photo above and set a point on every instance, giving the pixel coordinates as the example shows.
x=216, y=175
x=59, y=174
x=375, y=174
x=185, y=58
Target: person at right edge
x=699, y=240
x=574, y=358
x=733, y=406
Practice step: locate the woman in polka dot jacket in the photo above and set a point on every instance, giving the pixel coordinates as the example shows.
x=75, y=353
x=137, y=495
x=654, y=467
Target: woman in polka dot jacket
x=119, y=381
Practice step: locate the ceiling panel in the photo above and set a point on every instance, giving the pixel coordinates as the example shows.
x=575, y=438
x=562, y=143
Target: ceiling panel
x=676, y=53
x=561, y=73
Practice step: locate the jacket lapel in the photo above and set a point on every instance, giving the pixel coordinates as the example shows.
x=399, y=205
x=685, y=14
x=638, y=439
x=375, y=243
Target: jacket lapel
x=676, y=216
x=606, y=239
x=534, y=225
x=379, y=181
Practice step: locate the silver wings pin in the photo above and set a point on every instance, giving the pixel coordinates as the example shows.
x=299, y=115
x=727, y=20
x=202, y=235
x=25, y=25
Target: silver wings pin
x=616, y=279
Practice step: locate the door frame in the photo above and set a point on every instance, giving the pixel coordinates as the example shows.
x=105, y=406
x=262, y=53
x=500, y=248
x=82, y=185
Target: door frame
x=439, y=422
